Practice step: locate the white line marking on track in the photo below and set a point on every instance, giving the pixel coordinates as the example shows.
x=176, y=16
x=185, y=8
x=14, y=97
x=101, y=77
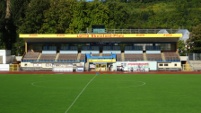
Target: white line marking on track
x=79, y=94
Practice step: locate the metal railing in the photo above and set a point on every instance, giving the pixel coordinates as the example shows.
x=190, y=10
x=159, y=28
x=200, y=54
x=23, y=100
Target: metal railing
x=194, y=56
x=134, y=31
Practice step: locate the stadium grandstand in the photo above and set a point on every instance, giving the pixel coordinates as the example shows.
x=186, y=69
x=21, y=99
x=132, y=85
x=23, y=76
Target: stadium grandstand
x=101, y=49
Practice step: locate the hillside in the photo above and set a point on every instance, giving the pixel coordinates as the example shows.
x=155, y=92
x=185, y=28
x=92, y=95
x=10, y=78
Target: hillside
x=70, y=16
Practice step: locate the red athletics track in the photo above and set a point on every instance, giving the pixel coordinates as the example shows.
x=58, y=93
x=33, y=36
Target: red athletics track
x=51, y=72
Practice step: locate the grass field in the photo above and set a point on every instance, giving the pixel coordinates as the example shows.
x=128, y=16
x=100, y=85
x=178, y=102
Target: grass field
x=104, y=93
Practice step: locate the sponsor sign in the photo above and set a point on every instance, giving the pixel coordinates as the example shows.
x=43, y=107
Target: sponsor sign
x=134, y=66
x=102, y=60
x=100, y=35
x=80, y=69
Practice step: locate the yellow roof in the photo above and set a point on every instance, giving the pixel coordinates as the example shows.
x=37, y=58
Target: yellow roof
x=100, y=36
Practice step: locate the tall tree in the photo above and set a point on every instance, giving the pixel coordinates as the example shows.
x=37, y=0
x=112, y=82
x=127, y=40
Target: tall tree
x=8, y=29
x=80, y=17
x=98, y=13
x=18, y=8
x=8, y=7
x=194, y=41
x=2, y=23
x=58, y=17
x=182, y=48
x=34, y=16
x=118, y=15
x=30, y=20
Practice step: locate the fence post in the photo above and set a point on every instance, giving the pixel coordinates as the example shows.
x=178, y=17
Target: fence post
x=193, y=56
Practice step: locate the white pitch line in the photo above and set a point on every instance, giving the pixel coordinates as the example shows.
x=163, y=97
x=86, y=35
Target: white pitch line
x=143, y=83
x=79, y=94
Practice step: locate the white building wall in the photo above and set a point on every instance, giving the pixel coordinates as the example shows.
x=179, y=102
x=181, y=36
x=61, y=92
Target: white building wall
x=49, y=52
x=133, y=52
x=3, y=54
x=4, y=67
x=6, y=54
x=153, y=52
x=172, y=65
x=89, y=51
x=26, y=64
x=183, y=58
x=68, y=52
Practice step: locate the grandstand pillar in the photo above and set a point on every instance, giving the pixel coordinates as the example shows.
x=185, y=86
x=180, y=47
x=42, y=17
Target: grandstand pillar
x=25, y=47
x=154, y=46
x=175, y=48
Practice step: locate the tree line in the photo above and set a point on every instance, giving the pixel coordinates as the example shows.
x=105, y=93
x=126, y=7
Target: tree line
x=72, y=16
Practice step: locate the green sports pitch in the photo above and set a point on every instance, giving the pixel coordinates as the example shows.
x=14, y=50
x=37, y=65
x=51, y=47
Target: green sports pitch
x=101, y=93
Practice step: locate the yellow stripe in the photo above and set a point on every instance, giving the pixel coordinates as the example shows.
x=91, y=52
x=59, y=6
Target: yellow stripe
x=100, y=35
x=102, y=60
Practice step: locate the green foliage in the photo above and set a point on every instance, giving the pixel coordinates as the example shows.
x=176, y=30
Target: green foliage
x=118, y=15
x=57, y=18
x=2, y=44
x=7, y=26
x=194, y=41
x=182, y=48
x=98, y=13
x=80, y=19
x=71, y=16
x=34, y=16
x=18, y=47
x=18, y=8
x=2, y=23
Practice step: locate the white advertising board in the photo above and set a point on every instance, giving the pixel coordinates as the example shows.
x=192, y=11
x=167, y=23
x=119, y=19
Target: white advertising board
x=4, y=67
x=135, y=66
